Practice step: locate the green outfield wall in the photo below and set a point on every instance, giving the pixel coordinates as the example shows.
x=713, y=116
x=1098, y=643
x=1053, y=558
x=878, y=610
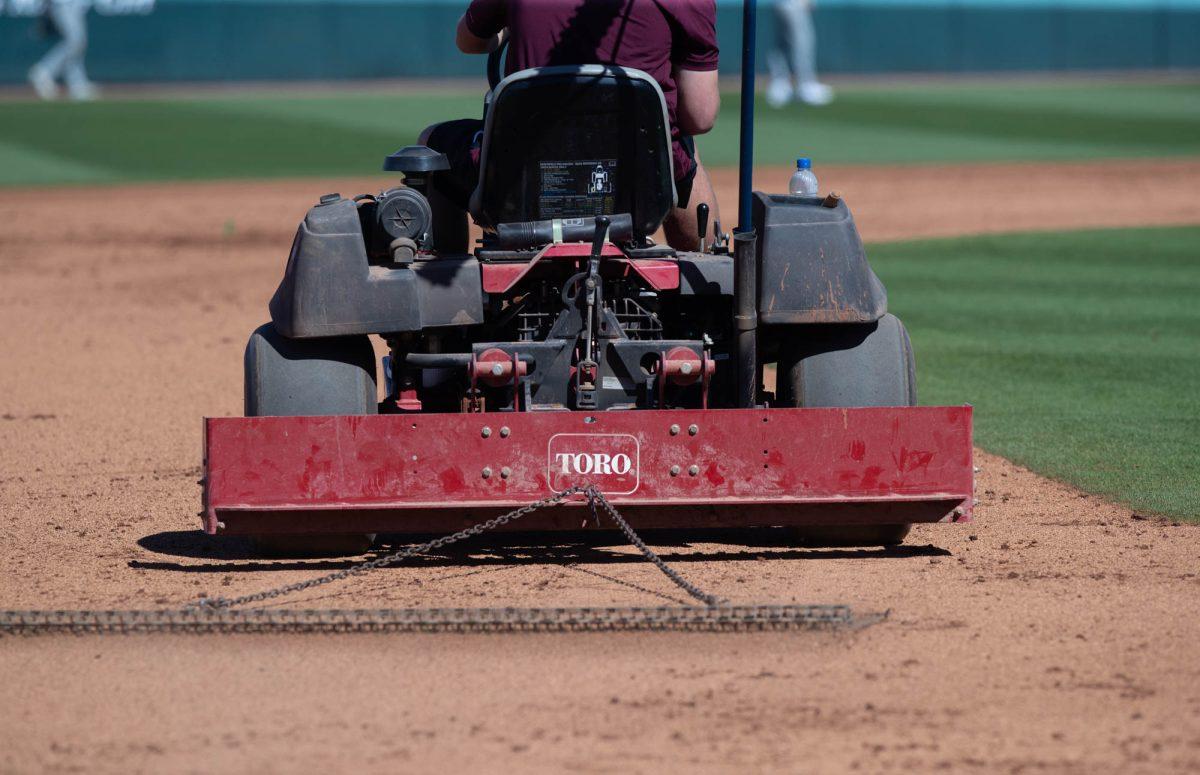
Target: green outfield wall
x=214, y=40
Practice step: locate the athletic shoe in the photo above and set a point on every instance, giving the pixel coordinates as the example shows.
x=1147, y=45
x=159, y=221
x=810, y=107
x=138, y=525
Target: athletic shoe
x=779, y=93
x=815, y=93
x=43, y=83
x=82, y=91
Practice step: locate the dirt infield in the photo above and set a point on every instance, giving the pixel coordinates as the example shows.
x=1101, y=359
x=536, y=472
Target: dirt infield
x=1057, y=633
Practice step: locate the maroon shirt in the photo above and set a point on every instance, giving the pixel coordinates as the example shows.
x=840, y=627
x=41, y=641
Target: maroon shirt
x=651, y=35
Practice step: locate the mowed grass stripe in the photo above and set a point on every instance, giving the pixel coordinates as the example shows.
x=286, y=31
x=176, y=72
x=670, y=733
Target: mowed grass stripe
x=264, y=135
x=21, y=162
x=993, y=123
x=166, y=140
x=1155, y=100
x=1079, y=350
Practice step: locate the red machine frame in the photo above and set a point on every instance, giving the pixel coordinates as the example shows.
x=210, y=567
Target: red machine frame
x=672, y=468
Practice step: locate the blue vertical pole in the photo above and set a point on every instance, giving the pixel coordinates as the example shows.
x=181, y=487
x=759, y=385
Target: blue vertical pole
x=745, y=264
x=746, y=150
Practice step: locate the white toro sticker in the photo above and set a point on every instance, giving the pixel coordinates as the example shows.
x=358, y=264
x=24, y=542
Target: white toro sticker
x=610, y=461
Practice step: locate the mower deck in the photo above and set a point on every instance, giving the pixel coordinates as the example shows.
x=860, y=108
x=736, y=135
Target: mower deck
x=665, y=469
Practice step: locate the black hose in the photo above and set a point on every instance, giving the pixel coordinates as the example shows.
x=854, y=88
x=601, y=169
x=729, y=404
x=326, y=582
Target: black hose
x=447, y=360
x=437, y=360
x=532, y=234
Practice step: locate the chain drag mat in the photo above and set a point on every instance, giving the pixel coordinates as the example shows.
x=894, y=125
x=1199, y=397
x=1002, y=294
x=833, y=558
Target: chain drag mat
x=721, y=618
x=224, y=615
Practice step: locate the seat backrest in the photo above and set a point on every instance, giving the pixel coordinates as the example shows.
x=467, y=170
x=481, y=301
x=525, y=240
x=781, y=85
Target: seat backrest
x=576, y=142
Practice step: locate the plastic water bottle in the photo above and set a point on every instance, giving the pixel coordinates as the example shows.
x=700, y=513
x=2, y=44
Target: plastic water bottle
x=803, y=182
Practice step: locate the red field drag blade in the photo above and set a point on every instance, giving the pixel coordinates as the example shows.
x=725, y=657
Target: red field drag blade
x=668, y=469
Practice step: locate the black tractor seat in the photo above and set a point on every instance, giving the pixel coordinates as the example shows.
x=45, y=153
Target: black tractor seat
x=576, y=142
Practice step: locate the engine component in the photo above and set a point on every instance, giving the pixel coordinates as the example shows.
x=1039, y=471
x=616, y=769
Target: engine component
x=494, y=367
x=403, y=250
x=403, y=213
x=683, y=366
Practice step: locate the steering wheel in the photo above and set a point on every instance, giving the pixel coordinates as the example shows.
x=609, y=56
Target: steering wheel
x=495, y=62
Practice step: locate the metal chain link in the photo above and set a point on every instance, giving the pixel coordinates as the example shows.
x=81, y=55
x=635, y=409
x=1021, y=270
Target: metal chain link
x=213, y=615
x=595, y=495
x=394, y=557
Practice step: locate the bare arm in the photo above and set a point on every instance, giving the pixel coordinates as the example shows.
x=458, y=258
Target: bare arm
x=470, y=43
x=699, y=100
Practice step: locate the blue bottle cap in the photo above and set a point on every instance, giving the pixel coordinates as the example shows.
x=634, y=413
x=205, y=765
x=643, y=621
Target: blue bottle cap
x=803, y=163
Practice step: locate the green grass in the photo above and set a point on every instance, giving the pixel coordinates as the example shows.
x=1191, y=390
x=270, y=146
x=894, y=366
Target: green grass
x=256, y=135
x=1080, y=352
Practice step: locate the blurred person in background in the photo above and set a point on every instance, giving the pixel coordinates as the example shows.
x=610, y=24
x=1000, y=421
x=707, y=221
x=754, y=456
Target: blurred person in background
x=793, y=62
x=64, y=62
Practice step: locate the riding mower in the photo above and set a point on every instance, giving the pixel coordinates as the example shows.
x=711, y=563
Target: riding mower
x=568, y=349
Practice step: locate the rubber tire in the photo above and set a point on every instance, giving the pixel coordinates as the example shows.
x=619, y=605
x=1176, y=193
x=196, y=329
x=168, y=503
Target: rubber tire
x=849, y=366
x=305, y=377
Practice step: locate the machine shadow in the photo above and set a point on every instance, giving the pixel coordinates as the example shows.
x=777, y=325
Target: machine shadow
x=233, y=555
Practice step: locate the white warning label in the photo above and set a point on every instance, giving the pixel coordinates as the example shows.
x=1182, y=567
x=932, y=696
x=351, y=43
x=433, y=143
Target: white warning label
x=578, y=188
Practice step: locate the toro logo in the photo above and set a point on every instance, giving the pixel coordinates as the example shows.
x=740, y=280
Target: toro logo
x=611, y=461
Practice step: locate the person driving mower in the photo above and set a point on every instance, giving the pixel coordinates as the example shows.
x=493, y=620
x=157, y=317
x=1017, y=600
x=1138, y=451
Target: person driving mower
x=674, y=41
